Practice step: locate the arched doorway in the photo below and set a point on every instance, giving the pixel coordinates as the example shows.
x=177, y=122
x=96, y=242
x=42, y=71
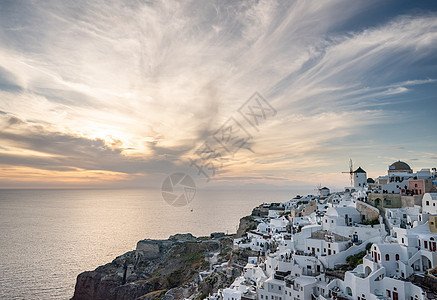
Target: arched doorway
x=377, y=202
x=367, y=271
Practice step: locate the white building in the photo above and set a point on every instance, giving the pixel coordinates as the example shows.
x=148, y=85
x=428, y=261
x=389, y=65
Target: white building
x=429, y=203
x=340, y=216
x=396, y=179
x=360, y=178
x=324, y=192
x=322, y=243
x=406, y=217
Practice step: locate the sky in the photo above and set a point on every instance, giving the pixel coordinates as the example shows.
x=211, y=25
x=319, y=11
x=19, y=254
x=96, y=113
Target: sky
x=120, y=94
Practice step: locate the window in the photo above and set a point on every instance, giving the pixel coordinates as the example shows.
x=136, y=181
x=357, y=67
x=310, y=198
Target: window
x=426, y=244
x=397, y=257
x=387, y=257
x=388, y=293
x=402, y=240
x=334, y=251
x=427, y=202
x=262, y=296
x=279, y=287
x=379, y=256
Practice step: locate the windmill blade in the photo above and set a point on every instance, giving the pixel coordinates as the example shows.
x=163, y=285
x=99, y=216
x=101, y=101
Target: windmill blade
x=318, y=188
x=351, y=171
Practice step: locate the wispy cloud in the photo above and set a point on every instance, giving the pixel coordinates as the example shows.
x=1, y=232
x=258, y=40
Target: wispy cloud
x=133, y=88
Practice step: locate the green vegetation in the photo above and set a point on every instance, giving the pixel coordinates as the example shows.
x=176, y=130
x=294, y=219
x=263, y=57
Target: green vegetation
x=194, y=257
x=175, y=279
x=355, y=260
x=211, y=280
x=371, y=222
x=204, y=265
x=203, y=296
x=368, y=246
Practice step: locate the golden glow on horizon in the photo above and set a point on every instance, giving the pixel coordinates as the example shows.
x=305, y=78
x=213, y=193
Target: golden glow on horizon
x=76, y=178
x=141, y=96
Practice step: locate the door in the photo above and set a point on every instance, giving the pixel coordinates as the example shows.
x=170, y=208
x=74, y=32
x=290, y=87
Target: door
x=395, y=296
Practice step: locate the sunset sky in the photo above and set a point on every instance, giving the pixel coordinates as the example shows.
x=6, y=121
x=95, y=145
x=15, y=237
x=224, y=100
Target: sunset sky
x=113, y=94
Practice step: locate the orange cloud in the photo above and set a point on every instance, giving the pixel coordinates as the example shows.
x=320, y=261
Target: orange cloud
x=32, y=177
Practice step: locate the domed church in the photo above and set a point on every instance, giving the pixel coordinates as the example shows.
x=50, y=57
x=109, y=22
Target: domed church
x=399, y=167
x=398, y=176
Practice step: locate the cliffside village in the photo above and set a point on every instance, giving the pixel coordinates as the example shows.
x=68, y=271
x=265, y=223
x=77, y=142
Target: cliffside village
x=383, y=232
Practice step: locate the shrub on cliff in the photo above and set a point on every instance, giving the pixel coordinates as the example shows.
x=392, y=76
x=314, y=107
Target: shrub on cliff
x=355, y=260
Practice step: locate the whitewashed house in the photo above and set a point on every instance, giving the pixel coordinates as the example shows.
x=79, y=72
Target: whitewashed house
x=340, y=216
x=429, y=203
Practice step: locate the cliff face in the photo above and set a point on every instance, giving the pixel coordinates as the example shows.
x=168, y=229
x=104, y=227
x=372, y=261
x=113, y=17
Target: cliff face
x=172, y=267
x=155, y=265
x=246, y=224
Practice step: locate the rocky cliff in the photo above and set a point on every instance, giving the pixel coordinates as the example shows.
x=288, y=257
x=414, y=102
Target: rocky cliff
x=166, y=267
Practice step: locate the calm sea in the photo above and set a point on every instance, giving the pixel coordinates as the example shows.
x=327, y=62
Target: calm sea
x=47, y=237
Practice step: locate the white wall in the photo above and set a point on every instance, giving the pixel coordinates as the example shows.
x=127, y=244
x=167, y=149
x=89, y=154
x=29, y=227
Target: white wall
x=429, y=205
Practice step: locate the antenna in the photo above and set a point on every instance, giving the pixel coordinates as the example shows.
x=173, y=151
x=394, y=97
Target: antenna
x=318, y=188
x=351, y=171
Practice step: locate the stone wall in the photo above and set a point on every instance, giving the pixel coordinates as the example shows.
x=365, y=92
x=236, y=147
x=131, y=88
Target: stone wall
x=410, y=201
x=383, y=201
x=149, y=248
x=367, y=211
